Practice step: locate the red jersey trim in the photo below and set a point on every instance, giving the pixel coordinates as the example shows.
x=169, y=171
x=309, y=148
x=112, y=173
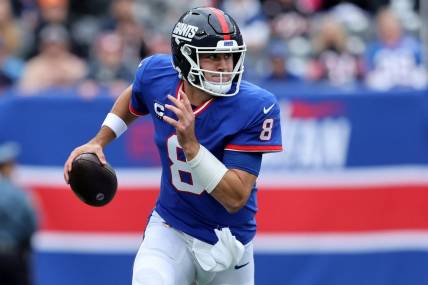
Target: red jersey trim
x=201, y=107
x=223, y=24
x=135, y=112
x=254, y=148
x=179, y=87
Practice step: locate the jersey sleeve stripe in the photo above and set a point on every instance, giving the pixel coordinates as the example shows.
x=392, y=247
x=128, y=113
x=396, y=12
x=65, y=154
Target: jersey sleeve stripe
x=135, y=112
x=254, y=148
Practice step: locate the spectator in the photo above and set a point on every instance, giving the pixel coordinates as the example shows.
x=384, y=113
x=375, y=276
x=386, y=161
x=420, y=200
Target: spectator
x=369, y=5
x=10, y=67
x=9, y=29
x=86, y=20
x=254, y=27
x=17, y=223
x=55, y=65
x=81, y=28
x=158, y=15
x=332, y=60
x=251, y=20
x=277, y=64
x=54, y=12
x=394, y=60
x=107, y=68
x=288, y=19
x=124, y=22
x=290, y=22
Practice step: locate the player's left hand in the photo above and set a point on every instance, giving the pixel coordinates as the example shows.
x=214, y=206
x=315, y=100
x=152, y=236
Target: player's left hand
x=185, y=125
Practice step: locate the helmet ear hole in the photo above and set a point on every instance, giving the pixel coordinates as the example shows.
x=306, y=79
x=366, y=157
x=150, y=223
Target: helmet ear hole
x=191, y=77
x=186, y=50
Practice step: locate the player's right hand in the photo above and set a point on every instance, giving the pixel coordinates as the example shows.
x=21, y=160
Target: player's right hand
x=185, y=125
x=89, y=147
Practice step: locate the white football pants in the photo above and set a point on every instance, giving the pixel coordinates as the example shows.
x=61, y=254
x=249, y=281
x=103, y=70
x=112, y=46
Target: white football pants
x=165, y=258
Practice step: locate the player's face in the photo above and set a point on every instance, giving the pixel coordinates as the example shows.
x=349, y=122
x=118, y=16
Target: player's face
x=220, y=62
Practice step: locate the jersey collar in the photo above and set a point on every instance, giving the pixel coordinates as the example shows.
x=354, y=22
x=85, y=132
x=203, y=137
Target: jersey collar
x=198, y=109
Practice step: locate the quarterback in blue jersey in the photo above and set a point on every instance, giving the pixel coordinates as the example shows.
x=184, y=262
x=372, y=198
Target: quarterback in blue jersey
x=211, y=130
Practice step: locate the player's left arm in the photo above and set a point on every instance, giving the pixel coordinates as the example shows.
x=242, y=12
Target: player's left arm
x=234, y=189
x=243, y=156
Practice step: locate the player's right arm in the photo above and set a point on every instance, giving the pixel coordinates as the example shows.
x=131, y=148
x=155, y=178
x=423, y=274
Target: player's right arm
x=105, y=135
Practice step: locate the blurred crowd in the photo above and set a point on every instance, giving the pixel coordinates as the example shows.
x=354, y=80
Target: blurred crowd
x=95, y=46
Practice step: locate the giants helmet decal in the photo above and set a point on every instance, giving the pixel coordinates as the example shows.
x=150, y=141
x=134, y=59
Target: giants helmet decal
x=208, y=30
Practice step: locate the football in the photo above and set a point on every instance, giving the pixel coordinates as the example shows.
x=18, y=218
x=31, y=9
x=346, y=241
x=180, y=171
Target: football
x=93, y=183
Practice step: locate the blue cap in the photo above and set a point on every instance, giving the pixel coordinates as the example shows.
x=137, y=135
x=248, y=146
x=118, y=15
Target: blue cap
x=277, y=49
x=9, y=151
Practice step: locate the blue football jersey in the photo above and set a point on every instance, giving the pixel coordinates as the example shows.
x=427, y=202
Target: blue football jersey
x=246, y=122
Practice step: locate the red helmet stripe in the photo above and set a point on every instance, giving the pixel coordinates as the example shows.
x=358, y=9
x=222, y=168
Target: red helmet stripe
x=223, y=23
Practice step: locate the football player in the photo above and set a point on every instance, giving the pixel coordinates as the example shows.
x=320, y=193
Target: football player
x=211, y=129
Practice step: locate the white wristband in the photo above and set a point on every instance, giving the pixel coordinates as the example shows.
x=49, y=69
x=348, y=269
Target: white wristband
x=207, y=169
x=115, y=123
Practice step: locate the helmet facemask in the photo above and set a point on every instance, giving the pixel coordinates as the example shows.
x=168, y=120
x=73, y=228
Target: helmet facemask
x=198, y=76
